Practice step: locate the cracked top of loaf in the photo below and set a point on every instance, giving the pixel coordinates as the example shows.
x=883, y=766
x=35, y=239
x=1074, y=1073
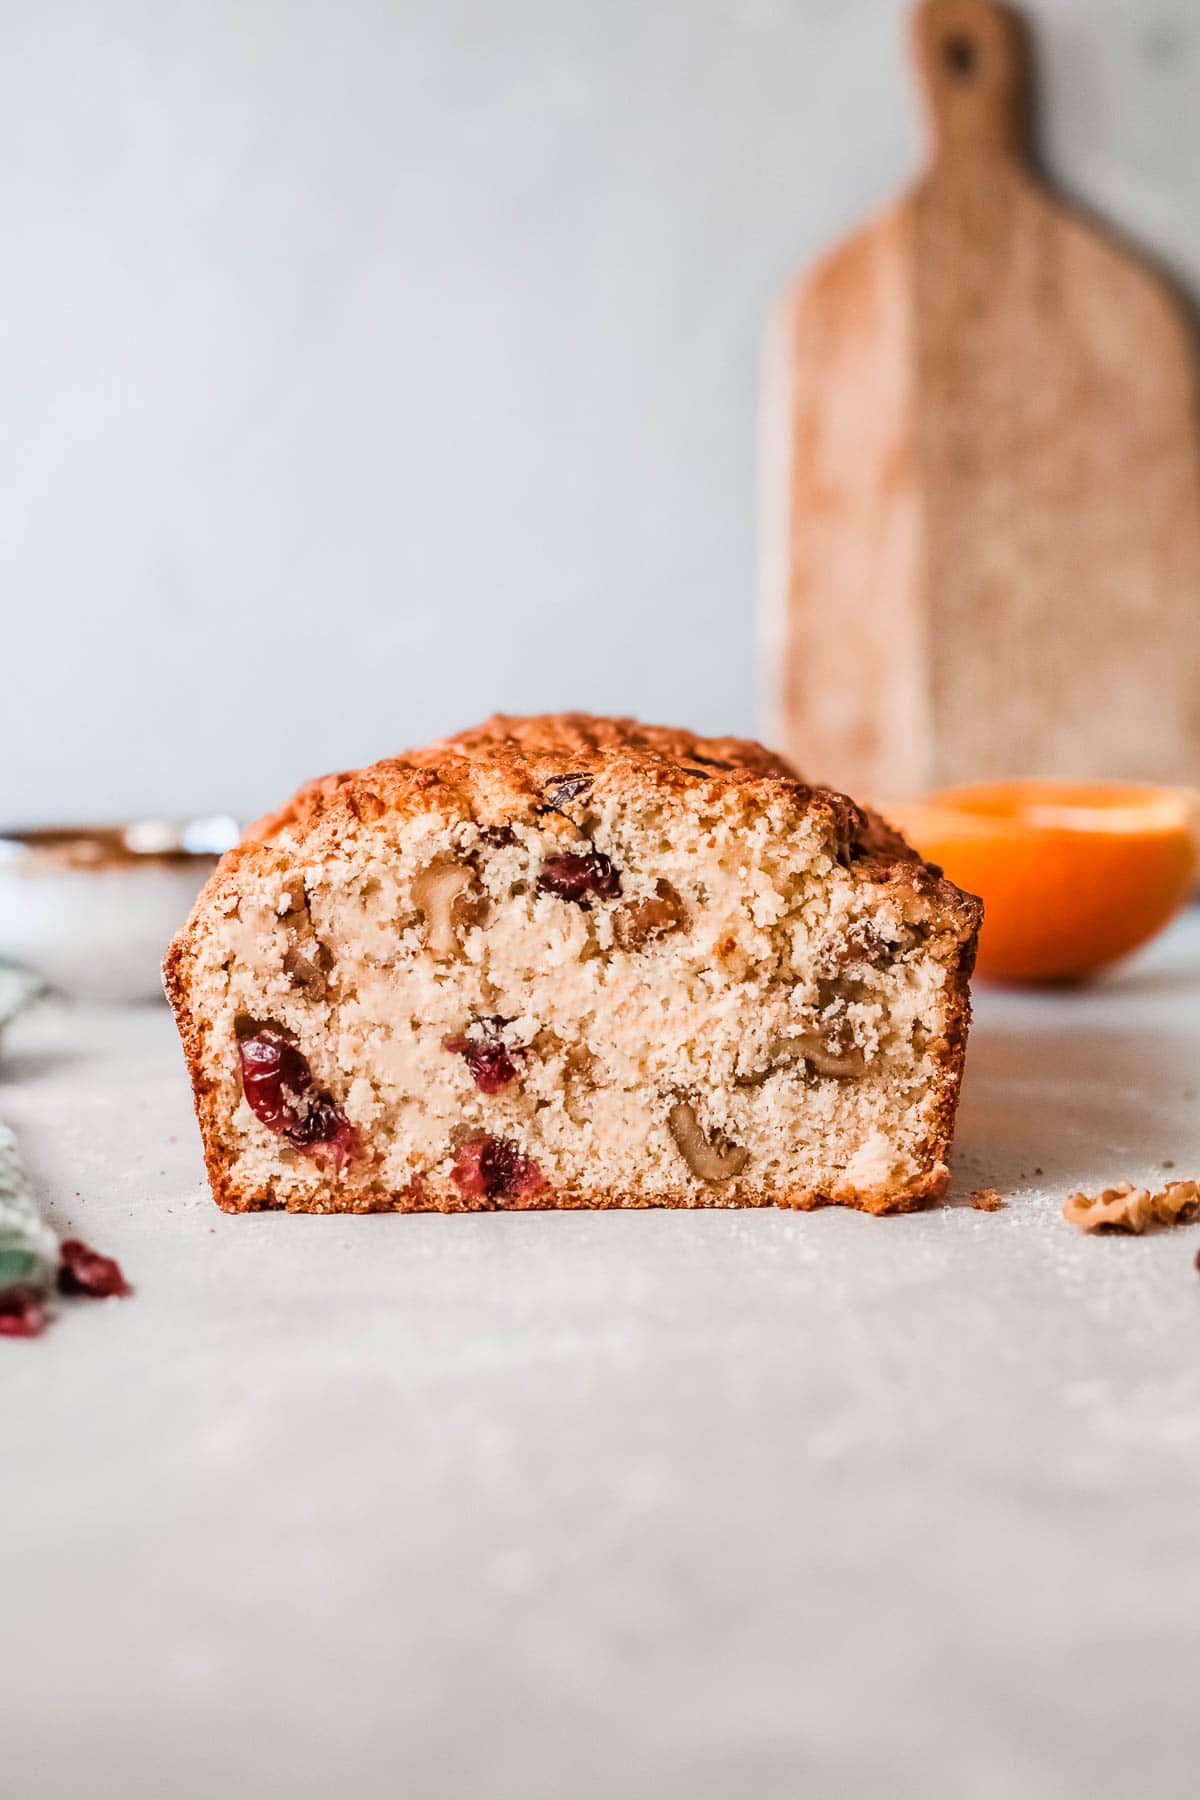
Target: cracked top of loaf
x=526, y=768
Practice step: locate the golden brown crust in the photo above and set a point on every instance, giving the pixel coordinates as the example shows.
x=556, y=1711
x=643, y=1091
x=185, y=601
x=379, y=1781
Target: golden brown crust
x=510, y=769
x=507, y=768
x=588, y=736
x=731, y=1197
x=504, y=767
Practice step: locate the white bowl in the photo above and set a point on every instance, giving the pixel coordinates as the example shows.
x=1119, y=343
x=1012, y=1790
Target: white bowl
x=92, y=908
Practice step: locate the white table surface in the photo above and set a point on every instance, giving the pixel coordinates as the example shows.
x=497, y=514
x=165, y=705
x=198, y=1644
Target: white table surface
x=693, y=1505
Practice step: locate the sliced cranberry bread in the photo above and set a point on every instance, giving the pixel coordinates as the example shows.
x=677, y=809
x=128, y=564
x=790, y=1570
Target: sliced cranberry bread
x=569, y=961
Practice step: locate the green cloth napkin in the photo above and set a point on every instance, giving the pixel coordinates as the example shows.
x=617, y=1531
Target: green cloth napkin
x=28, y=1247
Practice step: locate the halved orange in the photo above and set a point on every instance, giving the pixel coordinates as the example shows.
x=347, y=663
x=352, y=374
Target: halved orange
x=1071, y=874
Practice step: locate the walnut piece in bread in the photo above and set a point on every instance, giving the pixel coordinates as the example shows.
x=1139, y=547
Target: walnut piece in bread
x=569, y=961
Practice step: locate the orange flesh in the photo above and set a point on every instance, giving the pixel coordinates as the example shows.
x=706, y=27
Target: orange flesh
x=1071, y=874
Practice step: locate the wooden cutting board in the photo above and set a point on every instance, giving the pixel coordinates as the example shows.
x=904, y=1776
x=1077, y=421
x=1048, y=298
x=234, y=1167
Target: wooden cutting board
x=983, y=470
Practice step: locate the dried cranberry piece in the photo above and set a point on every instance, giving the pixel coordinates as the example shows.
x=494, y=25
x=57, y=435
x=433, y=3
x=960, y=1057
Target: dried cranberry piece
x=499, y=836
x=486, y=1054
x=492, y=1168
x=577, y=875
x=280, y=1091
x=22, y=1313
x=82, y=1270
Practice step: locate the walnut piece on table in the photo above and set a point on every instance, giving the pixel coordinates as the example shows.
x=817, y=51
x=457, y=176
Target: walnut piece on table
x=1135, y=1209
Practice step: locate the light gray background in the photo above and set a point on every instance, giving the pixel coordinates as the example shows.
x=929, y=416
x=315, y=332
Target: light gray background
x=367, y=365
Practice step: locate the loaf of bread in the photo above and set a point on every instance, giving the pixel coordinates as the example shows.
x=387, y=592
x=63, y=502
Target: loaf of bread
x=570, y=961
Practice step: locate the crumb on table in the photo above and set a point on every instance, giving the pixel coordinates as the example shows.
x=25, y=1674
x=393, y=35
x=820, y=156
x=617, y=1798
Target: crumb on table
x=987, y=1200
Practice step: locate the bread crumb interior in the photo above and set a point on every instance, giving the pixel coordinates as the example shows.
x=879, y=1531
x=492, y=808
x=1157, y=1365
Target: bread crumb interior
x=742, y=972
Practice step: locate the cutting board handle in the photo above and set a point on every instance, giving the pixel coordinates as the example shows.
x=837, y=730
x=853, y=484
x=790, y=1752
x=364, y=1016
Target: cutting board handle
x=973, y=61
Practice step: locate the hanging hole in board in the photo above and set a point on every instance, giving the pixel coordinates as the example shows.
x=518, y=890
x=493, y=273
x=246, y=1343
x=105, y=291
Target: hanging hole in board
x=960, y=58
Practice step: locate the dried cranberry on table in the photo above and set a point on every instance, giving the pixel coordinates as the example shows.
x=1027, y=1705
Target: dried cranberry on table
x=282, y=1094
x=22, y=1314
x=82, y=1270
x=578, y=875
x=486, y=1054
x=492, y=1168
